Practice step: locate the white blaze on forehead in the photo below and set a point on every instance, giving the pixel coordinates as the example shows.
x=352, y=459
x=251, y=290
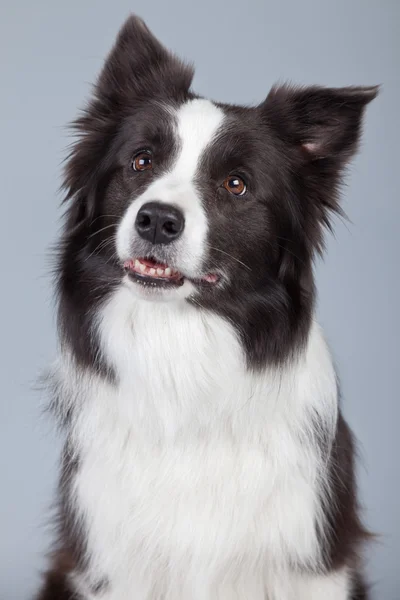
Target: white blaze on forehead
x=197, y=123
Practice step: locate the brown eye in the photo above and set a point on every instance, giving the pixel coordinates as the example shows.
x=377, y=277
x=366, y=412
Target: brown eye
x=142, y=161
x=235, y=185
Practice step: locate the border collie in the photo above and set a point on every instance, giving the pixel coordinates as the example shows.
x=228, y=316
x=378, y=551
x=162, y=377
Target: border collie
x=206, y=457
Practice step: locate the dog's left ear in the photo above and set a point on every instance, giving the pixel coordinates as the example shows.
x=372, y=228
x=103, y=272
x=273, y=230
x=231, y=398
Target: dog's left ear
x=323, y=122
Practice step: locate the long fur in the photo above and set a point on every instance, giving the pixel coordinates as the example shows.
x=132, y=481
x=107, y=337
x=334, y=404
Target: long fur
x=206, y=456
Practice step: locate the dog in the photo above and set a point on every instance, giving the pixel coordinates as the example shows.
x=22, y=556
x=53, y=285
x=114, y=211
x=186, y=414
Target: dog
x=206, y=456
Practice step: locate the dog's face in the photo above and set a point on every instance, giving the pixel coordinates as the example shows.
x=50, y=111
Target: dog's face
x=194, y=196
x=181, y=198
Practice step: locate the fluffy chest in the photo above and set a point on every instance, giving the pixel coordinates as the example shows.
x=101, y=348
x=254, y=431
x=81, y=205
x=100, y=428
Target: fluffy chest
x=190, y=466
x=209, y=504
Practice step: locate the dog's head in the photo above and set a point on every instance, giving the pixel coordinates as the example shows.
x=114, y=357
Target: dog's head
x=181, y=198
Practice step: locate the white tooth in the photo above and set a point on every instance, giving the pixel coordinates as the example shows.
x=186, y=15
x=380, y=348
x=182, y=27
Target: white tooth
x=160, y=271
x=137, y=264
x=142, y=267
x=168, y=271
x=152, y=271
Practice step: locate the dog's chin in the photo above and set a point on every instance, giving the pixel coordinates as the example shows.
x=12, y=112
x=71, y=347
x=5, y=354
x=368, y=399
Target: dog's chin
x=154, y=281
x=158, y=292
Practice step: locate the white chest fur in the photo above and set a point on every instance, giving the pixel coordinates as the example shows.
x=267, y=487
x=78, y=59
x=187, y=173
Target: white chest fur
x=199, y=480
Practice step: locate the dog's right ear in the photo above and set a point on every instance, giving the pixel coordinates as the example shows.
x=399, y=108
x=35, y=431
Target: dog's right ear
x=139, y=65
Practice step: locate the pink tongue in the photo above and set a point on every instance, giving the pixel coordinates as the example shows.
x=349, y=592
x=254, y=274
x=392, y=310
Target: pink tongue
x=210, y=278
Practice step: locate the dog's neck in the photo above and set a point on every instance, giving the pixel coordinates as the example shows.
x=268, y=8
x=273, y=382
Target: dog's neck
x=178, y=368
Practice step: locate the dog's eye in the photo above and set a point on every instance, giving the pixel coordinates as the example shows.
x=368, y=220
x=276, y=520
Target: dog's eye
x=235, y=185
x=142, y=161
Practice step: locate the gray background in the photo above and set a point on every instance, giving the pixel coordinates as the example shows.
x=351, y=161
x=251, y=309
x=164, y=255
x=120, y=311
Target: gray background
x=50, y=52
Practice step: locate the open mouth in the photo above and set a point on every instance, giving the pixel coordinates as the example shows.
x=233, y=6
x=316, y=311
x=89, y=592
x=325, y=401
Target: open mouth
x=149, y=272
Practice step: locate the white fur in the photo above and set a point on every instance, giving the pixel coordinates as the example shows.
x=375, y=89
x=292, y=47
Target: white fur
x=198, y=479
x=335, y=587
x=197, y=124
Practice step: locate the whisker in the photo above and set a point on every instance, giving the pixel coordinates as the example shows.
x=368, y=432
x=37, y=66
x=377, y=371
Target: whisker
x=230, y=256
x=103, y=244
x=100, y=230
x=114, y=256
x=288, y=250
x=103, y=216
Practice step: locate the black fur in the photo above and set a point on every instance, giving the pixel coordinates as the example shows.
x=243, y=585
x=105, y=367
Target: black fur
x=291, y=150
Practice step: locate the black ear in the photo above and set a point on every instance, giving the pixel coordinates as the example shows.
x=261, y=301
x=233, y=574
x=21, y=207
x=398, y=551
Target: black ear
x=139, y=64
x=138, y=67
x=324, y=122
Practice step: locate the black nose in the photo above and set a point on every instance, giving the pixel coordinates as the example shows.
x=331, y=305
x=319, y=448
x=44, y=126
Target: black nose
x=159, y=223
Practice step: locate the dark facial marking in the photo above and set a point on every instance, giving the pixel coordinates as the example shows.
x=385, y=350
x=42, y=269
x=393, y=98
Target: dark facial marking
x=290, y=152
